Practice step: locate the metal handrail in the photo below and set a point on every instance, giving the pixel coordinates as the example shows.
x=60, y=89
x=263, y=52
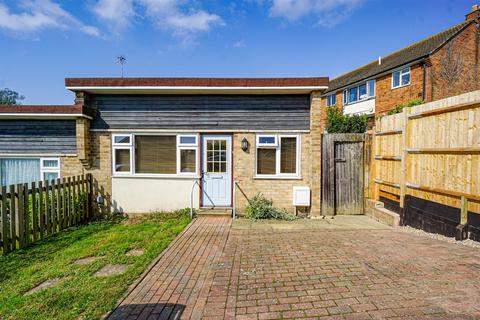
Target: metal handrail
x=191, y=198
x=234, y=211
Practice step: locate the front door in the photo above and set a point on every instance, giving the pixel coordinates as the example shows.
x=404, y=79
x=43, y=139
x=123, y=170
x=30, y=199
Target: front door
x=217, y=171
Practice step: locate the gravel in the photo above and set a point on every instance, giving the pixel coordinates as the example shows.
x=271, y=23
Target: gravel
x=468, y=242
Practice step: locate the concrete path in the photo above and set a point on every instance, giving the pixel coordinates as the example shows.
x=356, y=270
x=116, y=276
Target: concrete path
x=307, y=269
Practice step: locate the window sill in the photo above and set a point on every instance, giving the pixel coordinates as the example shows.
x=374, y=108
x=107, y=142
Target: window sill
x=275, y=177
x=156, y=176
x=405, y=85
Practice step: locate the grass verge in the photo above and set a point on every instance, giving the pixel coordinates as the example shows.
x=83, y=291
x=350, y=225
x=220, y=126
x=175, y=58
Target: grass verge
x=79, y=295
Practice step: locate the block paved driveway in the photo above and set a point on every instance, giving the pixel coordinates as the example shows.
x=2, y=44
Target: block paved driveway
x=308, y=269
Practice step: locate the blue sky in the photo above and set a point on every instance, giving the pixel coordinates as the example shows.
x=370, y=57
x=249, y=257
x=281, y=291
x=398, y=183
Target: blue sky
x=44, y=41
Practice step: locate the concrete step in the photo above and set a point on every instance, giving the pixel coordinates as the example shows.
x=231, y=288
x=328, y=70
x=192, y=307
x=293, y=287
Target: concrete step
x=215, y=212
x=376, y=211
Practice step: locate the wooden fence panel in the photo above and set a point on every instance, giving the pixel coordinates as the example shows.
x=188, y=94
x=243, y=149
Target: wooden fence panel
x=431, y=152
x=32, y=212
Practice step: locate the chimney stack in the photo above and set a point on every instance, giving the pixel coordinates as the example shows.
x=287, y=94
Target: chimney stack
x=474, y=12
x=379, y=61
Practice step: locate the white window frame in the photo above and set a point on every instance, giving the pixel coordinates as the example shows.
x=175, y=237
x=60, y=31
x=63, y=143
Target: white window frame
x=122, y=146
x=187, y=146
x=369, y=95
x=401, y=72
x=180, y=146
x=329, y=99
x=44, y=169
x=278, y=147
x=267, y=145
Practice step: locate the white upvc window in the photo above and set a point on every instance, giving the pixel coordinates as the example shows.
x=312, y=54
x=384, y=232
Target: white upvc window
x=155, y=155
x=331, y=100
x=49, y=169
x=15, y=170
x=361, y=92
x=187, y=154
x=401, y=78
x=280, y=159
x=122, y=147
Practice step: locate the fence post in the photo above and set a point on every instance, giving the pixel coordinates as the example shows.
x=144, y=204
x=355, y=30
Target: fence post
x=404, y=164
x=90, y=195
x=21, y=215
x=5, y=237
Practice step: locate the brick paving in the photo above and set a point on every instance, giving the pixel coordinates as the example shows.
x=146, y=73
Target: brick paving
x=214, y=271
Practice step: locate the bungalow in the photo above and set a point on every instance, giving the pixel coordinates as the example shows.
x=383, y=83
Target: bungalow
x=440, y=66
x=152, y=143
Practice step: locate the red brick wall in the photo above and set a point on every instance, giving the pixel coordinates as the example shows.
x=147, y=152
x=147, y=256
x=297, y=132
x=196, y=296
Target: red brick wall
x=387, y=98
x=442, y=79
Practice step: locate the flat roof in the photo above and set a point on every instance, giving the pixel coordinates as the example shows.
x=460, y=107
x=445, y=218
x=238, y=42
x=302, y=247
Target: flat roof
x=197, y=85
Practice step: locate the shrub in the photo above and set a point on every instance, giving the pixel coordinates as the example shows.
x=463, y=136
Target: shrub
x=399, y=107
x=337, y=122
x=260, y=207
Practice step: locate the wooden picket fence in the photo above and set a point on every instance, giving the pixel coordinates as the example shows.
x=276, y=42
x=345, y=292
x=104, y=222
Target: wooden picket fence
x=432, y=152
x=29, y=213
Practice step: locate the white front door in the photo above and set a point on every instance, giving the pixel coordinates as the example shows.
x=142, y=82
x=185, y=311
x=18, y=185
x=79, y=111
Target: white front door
x=217, y=171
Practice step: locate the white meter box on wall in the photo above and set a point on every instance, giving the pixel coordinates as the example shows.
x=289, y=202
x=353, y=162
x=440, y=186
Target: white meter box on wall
x=301, y=196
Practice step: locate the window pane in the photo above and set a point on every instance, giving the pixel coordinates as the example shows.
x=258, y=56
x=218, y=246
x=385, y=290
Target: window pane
x=266, y=161
x=353, y=94
x=288, y=155
x=216, y=153
x=122, y=159
x=50, y=176
x=188, y=140
x=362, y=91
x=156, y=154
x=345, y=97
x=122, y=139
x=371, y=88
x=14, y=171
x=266, y=140
x=396, y=79
x=405, y=79
x=187, y=160
x=334, y=99
x=50, y=163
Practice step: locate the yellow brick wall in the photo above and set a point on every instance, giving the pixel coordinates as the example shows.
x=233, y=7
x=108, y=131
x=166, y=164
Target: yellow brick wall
x=278, y=190
x=99, y=165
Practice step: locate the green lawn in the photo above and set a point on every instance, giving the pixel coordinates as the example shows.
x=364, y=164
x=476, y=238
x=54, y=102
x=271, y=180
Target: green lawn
x=79, y=295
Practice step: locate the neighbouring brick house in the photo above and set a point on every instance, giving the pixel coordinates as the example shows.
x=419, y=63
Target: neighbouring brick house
x=147, y=141
x=440, y=66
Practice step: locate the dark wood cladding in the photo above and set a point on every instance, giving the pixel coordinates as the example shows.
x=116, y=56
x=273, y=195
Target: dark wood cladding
x=225, y=112
x=197, y=82
x=37, y=137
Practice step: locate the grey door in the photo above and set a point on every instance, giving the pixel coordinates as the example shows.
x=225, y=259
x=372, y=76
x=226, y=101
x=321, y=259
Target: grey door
x=349, y=189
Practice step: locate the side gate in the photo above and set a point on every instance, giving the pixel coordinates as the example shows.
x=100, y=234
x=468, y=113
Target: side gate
x=343, y=174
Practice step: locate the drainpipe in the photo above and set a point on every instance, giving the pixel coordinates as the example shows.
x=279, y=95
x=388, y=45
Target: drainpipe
x=424, y=87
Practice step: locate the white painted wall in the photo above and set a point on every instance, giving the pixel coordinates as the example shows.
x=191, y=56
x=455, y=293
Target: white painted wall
x=364, y=107
x=143, y=195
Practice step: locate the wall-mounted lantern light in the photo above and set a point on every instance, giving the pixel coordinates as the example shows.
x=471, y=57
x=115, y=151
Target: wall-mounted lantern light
x=245, y=144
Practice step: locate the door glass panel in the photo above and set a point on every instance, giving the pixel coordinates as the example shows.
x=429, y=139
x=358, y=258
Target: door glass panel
x=217, y=156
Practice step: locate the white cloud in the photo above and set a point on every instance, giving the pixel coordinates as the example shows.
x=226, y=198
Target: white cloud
x=328, y=12
x=41, y=14
x=178, y=16
x=117, y=12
